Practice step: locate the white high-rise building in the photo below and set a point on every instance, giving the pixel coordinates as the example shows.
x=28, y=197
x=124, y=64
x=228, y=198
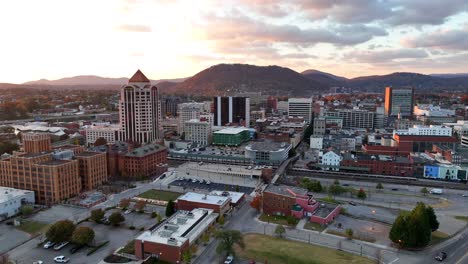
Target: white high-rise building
x=198, y=131
x=300, y=107
x=188, y=111
x=140, y=111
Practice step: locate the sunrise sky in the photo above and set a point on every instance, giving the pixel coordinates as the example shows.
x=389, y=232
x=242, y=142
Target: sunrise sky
x=169, y=39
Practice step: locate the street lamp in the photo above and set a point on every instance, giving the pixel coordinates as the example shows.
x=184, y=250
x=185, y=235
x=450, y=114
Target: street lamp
x=373, y=216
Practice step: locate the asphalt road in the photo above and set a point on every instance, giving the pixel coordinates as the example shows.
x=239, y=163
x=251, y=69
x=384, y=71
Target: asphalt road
x=456, y=249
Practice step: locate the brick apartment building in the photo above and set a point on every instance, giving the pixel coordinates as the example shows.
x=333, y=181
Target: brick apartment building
x=92, y=169
x=53, y=175
x=36, y=142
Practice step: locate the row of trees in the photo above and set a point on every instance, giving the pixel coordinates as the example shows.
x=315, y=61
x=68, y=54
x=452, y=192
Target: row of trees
x=334, y=189
x=414, y=229
x=65, y=230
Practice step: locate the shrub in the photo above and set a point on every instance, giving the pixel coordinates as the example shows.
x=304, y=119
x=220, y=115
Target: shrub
x=131, y=227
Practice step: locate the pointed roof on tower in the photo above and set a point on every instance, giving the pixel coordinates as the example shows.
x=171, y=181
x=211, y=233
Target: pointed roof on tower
x=138, y=77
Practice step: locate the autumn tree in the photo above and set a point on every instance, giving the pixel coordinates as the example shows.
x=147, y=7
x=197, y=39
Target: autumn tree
x=82, y=235
x=256, y=202
x=60, y=231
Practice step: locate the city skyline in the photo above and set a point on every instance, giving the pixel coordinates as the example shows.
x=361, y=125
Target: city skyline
x=173, y=39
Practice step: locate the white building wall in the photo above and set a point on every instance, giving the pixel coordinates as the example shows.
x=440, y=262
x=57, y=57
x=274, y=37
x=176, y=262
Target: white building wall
x=12, y=199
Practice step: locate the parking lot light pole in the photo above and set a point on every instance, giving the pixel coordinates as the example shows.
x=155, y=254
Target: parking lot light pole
x=373, y=216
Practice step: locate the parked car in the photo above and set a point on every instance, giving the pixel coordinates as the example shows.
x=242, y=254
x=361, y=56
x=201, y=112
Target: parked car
x=345, y=184
x=162, y=176
x=436, y=191
x=208, y=182
x=352, y=203
x=128, y=211
x=105, y=221
x=61, y=245
x=61, y=259
x=38, y=262
x=49, y=244
x=441, y=256
x=229, y=259
x=465, y=195
x=194, y=180
x=394, y=189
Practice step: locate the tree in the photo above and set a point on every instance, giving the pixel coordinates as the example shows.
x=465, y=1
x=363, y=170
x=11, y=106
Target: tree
x=424, y=191
x=221, y=220
x=159, y=218
x=124, y=204
x=116, y=218
x=60, y=231
x=412, y=229
x=227, y=240
x=140, y=205
x=432, y=218
x=280, y=230
x=26, y=210
x=349, y=233
x=379, y=186
x=292, y=153
x=336, y=182
x=100, y=141
x=187, y=256
x=336, y=189
x=97, y=215
x=256, y=202
x=170, y=208
x=205, y=238
x=82, y=235
x=361, y=194
x=8, y=147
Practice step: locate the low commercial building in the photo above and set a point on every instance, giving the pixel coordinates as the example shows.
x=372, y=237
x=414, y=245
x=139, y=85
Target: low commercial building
x=171, y=239
x=267, y=152
x=189, y=201
x=445, y=172
x=297, y=202
x=330, y=160
x=378, y=164
x=236, y=197
x=231, y=136
x=316, y=142
x=12, y=199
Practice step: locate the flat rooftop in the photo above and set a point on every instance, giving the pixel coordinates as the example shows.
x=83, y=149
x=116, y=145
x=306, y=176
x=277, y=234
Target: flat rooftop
x=7, y=193
x=231, y=130
x=180, y=227
x=235, y=196
x=145, y=150
x=268, y=146
x=203, y=198
x=87, y=154
x=55, y=162
x=286, y=190
x=324, y=209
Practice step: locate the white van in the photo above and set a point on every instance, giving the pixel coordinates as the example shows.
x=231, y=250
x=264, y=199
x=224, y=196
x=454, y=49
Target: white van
x=436, y=191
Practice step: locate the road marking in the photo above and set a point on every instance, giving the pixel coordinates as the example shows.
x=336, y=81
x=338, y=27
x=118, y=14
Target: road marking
x=461, y=260
x=393, y=261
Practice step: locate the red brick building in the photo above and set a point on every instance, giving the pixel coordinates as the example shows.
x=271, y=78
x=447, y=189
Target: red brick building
x=412, y=143
x=191, y=200
x=380, y=164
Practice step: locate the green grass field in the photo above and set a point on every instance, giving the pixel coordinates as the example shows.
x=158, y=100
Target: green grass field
x=32, y=227
x=282, y=251
x=462, y=218
x=160, y=195
x=437, y=237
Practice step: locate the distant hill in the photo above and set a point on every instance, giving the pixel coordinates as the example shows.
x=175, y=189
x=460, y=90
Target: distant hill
x=237, y=78
x=230, y=79
x=91, y=80
x=325, y=78
x=449, y=75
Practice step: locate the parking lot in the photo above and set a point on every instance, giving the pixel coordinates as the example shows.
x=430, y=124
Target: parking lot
x=10, y=237
x=190, y=185
x=363, y=229
x=117, y=237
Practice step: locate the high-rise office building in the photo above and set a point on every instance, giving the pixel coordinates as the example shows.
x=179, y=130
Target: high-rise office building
x=354, y=118
x=140, y=113
x=399, y=101
x=231, y=110
x=300, y=107
x=188, y=111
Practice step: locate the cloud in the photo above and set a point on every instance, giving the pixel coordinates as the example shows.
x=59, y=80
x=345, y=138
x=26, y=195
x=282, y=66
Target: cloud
x=384, y=56
x=441, y=39
x=134, y=28
x=237, y=26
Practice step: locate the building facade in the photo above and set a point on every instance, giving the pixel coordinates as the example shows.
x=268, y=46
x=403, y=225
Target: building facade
x=147, y=161
x=12, y=199
x=198, y=131
x=187, y=112
x=140, y=113
x=191, y=200
x=300, y=107
x=353, y=118
x=232, y=136
x=330, y=161
x=231, y=110
x=108, y=132
x=399, y=101
x=92, y=169
x=267, y=151
x=36, y=142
